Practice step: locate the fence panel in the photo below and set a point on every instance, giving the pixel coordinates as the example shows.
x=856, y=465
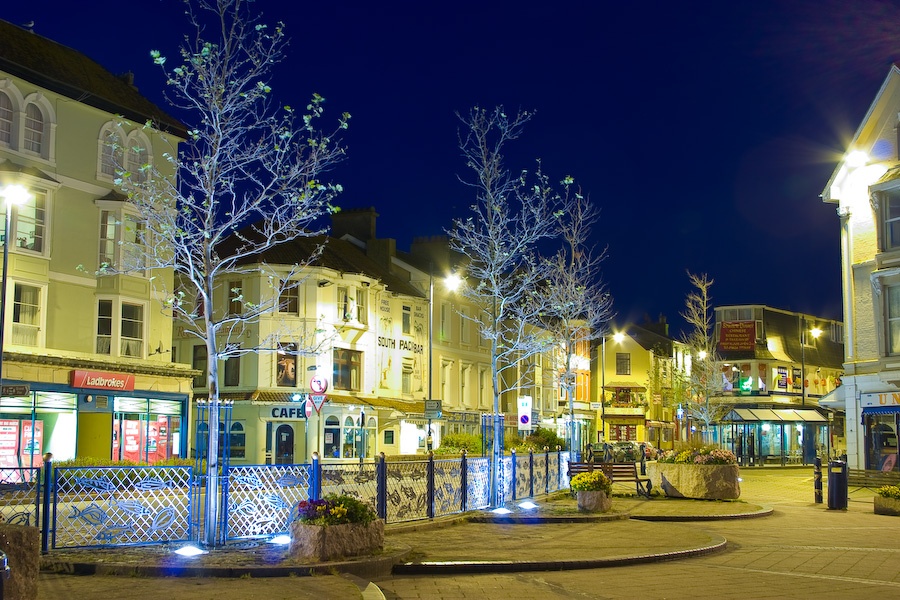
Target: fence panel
x=359, y=480
x=523, y=477
x=20, y=499
x=407, y=491
x=116, y=506
x=540, y=473
x=259, y=499
x=478, y=483
x=447, y=487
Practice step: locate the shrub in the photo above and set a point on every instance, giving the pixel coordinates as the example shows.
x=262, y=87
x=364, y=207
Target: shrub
x=593, y=481
x=455, y=443
x=334, y=509
x=889, y=491
x=542, y=438
x=701, y=455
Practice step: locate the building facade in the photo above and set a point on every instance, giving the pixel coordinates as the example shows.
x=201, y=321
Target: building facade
x=865, y=189
x=85, y=364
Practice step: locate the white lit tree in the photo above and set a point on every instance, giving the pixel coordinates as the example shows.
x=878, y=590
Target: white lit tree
x=249, y=178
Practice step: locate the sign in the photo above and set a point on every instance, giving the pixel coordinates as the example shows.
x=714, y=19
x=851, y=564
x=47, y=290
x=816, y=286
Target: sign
x=98, y=380
x=318, y=384
x=433, y=409
x=525, y=413
x=308, y=408
x=15, y=390
x=283, y=412
x=882, y=399
x=596, y=405
x=737, y=336
x=317, y=400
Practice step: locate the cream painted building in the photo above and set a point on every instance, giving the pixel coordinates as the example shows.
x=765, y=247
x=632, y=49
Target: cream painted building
x=865, y=189
x=86, y=369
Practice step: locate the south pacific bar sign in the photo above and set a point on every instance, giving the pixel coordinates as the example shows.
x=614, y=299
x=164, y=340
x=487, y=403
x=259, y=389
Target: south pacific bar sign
x=99, y=380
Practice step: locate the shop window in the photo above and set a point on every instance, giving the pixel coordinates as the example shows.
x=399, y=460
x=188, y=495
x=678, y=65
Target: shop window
x=199, y=362
x=289, y=299
x=623, y=363
x=407, y=320
x=26, y=315
x=237, y=441
x=286, y=372
x=347, y=369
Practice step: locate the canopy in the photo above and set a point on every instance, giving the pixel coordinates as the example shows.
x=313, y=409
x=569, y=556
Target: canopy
x=776, y=415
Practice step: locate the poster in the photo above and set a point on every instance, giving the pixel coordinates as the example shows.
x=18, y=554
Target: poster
x=131, y=444
x=9, y=444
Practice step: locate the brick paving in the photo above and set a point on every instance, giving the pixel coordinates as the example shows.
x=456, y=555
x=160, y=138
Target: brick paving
x=801, y=550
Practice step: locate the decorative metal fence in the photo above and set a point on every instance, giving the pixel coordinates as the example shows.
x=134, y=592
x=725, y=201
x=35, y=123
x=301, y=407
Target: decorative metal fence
x=113, y=506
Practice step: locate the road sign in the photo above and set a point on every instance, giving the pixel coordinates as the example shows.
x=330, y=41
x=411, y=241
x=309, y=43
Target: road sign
x=317, y=400
x=15, y=390
x=308, y=408
x=433, y=409
x=525, y=413
x=318, y=384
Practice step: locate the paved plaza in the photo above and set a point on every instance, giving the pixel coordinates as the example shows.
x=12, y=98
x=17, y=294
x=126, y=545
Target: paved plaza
x=800, y=550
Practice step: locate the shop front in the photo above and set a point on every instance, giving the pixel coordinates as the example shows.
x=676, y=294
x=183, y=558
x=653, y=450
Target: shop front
x=111, y=415
x=880, y=420
x=775, y=435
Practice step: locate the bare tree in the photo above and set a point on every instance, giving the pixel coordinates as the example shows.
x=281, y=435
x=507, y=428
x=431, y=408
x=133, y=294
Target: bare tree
x=248, y=180
x=577, y=306
x=510, y=217
x=705, y=377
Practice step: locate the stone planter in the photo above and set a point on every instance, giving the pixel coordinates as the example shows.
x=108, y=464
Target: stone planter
x=323, y=543
x=593, y=501
x=703, y=482
x=887, y=506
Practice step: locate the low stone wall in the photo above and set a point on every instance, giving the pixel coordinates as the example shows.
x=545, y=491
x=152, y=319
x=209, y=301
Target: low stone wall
x=22, y=545
x=321, y=543
x=593, y=501
x=703, y=482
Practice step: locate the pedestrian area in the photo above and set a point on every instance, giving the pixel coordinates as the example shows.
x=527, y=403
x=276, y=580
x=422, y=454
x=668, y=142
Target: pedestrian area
x=448, y=552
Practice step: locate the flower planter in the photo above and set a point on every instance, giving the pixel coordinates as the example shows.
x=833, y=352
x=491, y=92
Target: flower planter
x=331, y=542
x=887, y=506
x=593, y=501
x=703, y=482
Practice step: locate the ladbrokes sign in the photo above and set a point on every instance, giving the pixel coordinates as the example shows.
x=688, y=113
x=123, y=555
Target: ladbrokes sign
x=98, y=380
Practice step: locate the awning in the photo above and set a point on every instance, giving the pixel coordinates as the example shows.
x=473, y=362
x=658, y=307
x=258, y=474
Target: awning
x=880, y=410
x=834, y=400
x=624, y=385
x=778, y=415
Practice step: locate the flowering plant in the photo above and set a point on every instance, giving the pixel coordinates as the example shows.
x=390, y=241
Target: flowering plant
x=703, y=455
x=592, y=481
x=334, y=510
x=889, y=491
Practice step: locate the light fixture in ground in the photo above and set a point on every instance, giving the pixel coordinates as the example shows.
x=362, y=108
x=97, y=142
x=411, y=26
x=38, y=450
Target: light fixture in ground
x=190, y=551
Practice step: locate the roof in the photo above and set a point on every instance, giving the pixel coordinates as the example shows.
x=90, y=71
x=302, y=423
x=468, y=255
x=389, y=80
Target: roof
x=70, y=73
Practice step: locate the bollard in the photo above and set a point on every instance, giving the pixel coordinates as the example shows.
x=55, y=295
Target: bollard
x=817, y=480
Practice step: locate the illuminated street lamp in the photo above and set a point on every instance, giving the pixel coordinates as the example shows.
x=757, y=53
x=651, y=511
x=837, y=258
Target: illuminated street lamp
x=14, y=195
x=617, y=338
x=816, y=332
x=452, y=282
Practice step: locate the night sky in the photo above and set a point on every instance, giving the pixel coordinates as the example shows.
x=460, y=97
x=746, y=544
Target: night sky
x=705, y=131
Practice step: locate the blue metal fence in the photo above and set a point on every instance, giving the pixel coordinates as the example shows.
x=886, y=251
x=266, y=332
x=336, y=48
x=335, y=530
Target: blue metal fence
x=112, y=506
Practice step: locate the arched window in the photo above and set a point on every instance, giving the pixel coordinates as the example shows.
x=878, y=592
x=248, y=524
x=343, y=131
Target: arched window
x=112, y=152
x=34, y=129
x=137, y=158
x=6, y=119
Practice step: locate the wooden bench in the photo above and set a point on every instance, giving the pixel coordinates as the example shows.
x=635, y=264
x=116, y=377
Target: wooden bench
x=617, y=472
x=868, y=478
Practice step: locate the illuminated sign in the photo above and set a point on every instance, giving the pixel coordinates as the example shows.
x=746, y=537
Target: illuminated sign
x=98, y=380
x=737, y=335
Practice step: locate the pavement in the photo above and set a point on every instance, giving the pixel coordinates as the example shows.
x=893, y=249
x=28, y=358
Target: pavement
x=775, y=542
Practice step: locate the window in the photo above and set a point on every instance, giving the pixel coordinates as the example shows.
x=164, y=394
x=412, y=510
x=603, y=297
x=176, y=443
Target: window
x=464, y=324
x=343, y=304
x=199, y=362
x=28, y=222
x=893, y=319
x=237, y=442
x=286, y=372
x=26, y=315
x=111, y=153
x=347, y=369
x=407, y=319
x=122, y=242
x=6, y=119
x=289, y=300
x=891, y=200
x=107, y=239
x=406, y=378
x=445, y=321
x=34, y=129
x=623, y=363
x=235, y=298
x=138, y=161
x=361, y=312
x=130, y=328
x=233, y=371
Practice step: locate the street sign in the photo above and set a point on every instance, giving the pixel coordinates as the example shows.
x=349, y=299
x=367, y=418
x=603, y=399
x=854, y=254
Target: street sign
x=317, y=400
x=525, y=413
x=308, y=408
x=15, y=390
x=433, y=409
x=318, y=384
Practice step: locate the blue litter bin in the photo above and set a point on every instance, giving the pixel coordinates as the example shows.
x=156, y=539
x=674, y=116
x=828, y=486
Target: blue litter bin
x=837, y=485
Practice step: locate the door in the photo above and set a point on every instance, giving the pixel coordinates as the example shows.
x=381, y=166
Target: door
x=284, y=445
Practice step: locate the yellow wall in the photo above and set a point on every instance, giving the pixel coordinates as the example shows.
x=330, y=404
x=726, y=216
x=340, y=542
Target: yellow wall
x=94, y=435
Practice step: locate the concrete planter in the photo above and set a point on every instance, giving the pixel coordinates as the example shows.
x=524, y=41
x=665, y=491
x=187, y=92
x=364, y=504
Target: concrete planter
x=887, y=506
x=323, y=543
x=702, y=482
x=593, y=501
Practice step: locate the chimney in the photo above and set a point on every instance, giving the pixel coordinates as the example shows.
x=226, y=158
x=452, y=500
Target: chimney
x=358, y=222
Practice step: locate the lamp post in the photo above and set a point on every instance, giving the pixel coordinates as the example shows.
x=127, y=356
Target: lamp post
x=14, y=194
x=452, y=282
x=816, y=332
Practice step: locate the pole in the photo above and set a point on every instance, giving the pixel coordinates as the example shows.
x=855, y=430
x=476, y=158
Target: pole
x=3, y=283
x=428, y=438
x=802, y=361
x=603, y=389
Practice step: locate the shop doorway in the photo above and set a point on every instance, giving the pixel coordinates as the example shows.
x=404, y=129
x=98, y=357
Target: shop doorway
x=284, y=444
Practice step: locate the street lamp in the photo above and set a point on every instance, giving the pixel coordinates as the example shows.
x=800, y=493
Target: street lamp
x=452, y=281
x=14, y=195
x=816, y=332
x=617, y=338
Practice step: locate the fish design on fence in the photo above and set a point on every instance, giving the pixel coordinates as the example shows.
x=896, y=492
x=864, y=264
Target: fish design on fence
x=273, y=501
x=133, y=507
x=113, y=532
x=251, y=481
x=163, y=519
x=101, y=484
x=92, y=514
x=288, y=480
x=20, y=518
x=149, y=484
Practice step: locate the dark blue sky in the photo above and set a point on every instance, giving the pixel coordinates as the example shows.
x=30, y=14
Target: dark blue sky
x=704, y=130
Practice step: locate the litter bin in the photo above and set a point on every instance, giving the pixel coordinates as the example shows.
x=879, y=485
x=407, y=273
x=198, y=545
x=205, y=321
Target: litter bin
x=837, y=485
